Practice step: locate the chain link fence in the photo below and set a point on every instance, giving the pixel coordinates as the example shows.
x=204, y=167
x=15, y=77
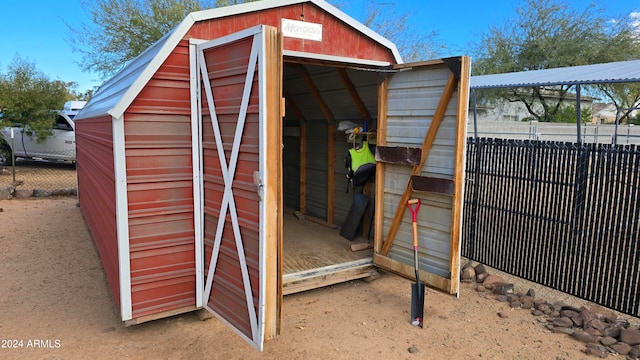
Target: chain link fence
x=26, y=178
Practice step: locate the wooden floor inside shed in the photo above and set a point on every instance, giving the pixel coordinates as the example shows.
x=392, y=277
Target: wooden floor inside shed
x=316, y=255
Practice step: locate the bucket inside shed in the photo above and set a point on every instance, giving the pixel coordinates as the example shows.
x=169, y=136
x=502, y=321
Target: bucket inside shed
x=317, y=196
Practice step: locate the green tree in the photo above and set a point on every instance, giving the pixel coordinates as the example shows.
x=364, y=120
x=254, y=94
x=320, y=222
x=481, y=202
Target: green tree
x=28, y=96
x=412, y=45
x=550, y=34
x=567, y=114
x=122, y=29
x=625, y=97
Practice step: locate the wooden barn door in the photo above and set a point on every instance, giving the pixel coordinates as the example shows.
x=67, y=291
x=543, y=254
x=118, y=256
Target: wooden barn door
x=420, y=155
x=242, y=207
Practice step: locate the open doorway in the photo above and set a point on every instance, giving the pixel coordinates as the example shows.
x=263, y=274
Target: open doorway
x=323, y=99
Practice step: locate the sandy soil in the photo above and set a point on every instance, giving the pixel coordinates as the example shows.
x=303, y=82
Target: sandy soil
x=55, y=304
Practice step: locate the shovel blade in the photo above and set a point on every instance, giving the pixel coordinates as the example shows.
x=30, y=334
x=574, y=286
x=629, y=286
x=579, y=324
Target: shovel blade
x=417, y=304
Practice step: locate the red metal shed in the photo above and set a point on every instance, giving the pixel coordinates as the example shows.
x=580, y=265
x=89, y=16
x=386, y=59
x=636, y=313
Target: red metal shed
x=203, y=163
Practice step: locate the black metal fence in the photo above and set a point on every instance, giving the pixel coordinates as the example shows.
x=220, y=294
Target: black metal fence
x=564, y=215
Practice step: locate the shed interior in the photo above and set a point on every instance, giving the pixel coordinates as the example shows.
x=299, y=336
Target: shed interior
x=319, y=95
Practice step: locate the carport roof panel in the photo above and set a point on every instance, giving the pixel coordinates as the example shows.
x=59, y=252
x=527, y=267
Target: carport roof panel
x=615, y=72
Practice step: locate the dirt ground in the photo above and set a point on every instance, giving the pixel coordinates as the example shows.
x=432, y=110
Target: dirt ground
x=55, y=304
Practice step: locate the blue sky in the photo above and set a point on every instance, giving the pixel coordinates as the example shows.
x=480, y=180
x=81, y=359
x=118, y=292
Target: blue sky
x=36, y=31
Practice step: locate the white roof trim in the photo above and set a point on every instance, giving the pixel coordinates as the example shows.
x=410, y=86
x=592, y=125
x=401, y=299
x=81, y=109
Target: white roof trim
x=117, y=94
x=331, y=58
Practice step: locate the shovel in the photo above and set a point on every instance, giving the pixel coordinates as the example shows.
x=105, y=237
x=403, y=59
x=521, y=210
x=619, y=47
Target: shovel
x=417, y=289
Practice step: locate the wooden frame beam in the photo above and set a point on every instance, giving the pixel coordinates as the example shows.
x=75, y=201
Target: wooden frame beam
x=381, y=140
x=331, y=133
x=357, y=100
x=302, y=193
x=458, y=200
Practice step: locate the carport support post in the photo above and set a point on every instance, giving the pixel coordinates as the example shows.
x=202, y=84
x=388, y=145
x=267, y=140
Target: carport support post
x=578, y=112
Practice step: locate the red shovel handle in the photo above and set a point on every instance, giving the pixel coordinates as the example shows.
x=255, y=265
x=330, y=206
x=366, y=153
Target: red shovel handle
x=414, y=212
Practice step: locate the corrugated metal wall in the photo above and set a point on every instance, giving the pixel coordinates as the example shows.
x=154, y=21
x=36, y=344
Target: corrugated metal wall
x=160, y=191
x=413, y=99
x=342, y=107
x=317, y=168
x=96, y=192
x=291, y=158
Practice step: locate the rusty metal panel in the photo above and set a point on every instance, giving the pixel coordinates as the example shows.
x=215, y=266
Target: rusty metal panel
x=227, y=70
x=96, y=192
x=339, y=39
x=160, y=191
x=242, y=155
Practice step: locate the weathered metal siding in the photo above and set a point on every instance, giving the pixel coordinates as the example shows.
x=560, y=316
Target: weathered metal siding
x=338, y=38
x=160, y=190
x=413, y=100
x=291, y=158
x=317, y=168
x=97, y=194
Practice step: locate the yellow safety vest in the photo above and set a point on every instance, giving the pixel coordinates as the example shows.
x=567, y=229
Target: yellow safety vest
x=361, y=156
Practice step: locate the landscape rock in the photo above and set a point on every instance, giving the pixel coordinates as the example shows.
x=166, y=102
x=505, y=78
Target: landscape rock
x=62, y=192
x=543, y=307
x=527, y=302
x=597, y=324
x=607, y=341
x=468, y=274
x=41, y=193
x=613, y=330
x=570, y=308
x=604, y=314
x=480, y=277
x=599, y=328
x=502, y=289
x=492, y=280
x=587, y=316
x=621, y=348
x=630, y=336
x=569, y=313
x=23, y=193
x=593, y=331
x=583, y=336
x=562, y=322
x=480, y=269
x=577, y=321
x=596, y=350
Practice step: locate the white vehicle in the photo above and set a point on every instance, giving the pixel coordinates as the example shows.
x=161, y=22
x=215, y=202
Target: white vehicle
x=60, y=146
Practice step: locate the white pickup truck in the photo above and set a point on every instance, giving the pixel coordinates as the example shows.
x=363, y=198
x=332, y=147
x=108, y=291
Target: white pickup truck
x=60, y=146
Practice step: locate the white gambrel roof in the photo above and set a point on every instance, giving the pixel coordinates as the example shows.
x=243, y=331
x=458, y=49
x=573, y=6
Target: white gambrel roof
x=615, y=72
x=116, y=94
